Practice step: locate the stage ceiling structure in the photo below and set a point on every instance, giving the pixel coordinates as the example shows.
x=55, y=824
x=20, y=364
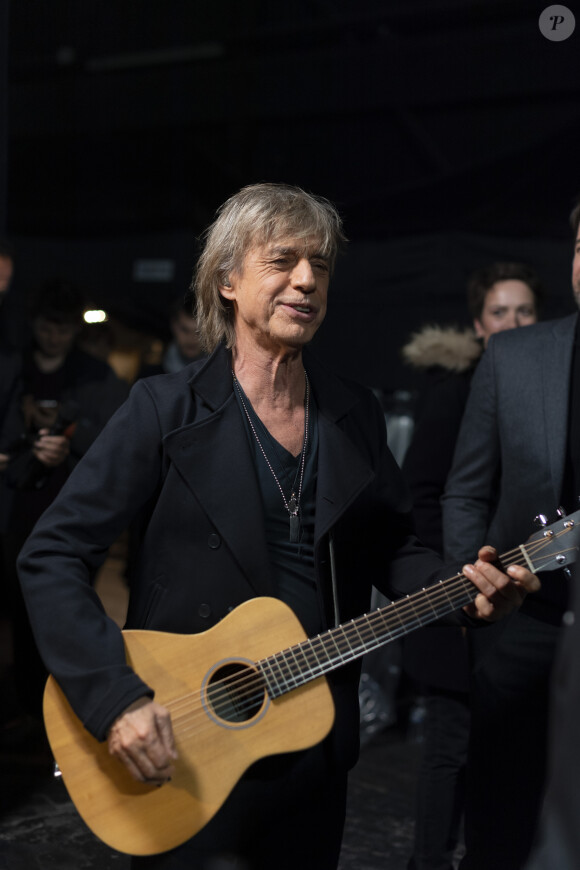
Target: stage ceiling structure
x=446, y=131
x=413, y=115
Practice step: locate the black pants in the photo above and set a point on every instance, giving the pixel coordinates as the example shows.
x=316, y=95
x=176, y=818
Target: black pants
x=506, y=765
x=441, y=780
x=286, y=813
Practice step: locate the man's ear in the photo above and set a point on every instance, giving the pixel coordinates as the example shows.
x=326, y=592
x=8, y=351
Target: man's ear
x=478, y=328
x=226, y=289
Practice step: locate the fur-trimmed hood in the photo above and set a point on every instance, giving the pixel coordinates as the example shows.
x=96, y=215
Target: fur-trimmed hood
x=456, y=350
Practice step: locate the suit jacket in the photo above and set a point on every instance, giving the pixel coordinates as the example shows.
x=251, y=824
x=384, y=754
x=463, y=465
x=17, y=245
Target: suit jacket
x=177, y=457
x=558, y=841
x=511, y=451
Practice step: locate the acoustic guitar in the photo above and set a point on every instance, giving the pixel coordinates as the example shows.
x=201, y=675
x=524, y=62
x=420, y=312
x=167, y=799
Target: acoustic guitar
x=251, y=686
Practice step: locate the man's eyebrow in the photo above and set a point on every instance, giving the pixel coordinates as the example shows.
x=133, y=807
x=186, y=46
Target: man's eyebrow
x=275, y=250
x=281, y=249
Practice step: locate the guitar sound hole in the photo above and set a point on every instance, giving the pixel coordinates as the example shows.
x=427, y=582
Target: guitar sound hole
x=235, y=692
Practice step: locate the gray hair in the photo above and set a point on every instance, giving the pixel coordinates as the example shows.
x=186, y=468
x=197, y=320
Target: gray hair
x=256, y=215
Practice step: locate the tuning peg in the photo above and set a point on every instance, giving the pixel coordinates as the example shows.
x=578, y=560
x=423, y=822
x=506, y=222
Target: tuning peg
x=541, y=520
x=561, y=512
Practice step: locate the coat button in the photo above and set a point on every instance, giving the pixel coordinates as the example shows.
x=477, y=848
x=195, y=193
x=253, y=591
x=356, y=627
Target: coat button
x=204, y=610
x=214, y=541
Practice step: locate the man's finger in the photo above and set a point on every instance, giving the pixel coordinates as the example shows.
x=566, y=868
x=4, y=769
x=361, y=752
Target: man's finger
x=165, y=731
x=499, y=592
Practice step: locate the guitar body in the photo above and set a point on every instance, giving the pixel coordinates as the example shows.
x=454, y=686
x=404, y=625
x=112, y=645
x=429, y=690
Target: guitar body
x=215, y=742
x=223, y=717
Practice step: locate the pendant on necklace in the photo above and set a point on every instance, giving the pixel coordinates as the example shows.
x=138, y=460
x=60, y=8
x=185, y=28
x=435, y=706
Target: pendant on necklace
x=294, y=520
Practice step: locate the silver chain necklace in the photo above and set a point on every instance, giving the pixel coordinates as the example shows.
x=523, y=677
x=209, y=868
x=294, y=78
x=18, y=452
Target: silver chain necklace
x=292, y=504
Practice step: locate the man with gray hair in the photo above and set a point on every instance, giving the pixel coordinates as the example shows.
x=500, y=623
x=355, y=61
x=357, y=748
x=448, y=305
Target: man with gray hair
x=252, y=473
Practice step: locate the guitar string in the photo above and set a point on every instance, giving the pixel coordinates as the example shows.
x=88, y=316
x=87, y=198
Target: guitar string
x=253, y=681
x=362, y=635
x=249, y=704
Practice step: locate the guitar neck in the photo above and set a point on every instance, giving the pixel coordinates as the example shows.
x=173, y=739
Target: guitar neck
x=556, y=546
x=290, y=668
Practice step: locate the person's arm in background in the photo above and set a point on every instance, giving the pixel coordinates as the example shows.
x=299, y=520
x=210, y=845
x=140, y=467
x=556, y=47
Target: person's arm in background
x=98, y=400
x=81, y=646
x=430, y=454
x=470, y=493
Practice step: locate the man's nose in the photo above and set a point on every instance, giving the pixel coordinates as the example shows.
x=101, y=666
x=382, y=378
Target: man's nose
x=303, y=275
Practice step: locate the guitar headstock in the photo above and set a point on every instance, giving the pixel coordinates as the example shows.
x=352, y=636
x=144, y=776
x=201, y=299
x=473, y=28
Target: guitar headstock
x=554, y=546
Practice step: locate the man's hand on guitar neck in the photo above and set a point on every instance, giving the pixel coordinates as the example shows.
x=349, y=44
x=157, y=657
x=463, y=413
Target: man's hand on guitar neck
x=142, y=738
x=500, y=593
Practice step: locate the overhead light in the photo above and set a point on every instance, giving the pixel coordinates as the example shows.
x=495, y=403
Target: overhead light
x=96, y=315
x=156, y=57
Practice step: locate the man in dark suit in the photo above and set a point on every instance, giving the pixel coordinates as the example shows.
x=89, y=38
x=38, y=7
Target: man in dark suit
x=517, y=456
x=253, y=473
x=558, y=841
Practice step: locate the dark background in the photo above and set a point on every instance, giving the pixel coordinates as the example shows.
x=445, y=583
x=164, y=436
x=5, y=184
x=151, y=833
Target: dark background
x=446, y=131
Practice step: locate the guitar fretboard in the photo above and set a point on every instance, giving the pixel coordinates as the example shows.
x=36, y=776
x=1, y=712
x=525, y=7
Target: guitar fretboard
x=292, y=667
x=312, y=658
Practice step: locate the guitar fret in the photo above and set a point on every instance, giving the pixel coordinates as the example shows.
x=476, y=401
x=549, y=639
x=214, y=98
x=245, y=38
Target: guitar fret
x=444, y=590
x=353, y=624
x=273, y=685
x=365, y=618
x=300, y=670
x=395, y=612
x=427, y=598
x=309, y=656
x=527, y=559
x=416, y=615
x=386, y=631
x=299, y=667
x=319, y=668
x=284, y=667
x=332, y=636
x=371, y=644
x=340, y=633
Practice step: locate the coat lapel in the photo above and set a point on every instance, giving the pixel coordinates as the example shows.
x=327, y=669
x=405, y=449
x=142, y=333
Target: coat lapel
x=223, y=479
x=342, y=472
x=342, y=475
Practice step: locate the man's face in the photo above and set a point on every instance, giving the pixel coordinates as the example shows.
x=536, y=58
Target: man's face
x=6, y=270
x=576, y=270
x=184, y=329
x=54, y=339
x=507, y=304
x=280, y=294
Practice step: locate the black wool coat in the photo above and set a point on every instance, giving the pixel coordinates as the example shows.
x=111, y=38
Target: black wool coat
x=176, y=459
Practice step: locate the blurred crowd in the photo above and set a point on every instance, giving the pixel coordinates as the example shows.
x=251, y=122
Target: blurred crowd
x=61, y=380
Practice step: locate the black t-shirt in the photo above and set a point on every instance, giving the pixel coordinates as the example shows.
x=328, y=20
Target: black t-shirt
x=292, y=564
